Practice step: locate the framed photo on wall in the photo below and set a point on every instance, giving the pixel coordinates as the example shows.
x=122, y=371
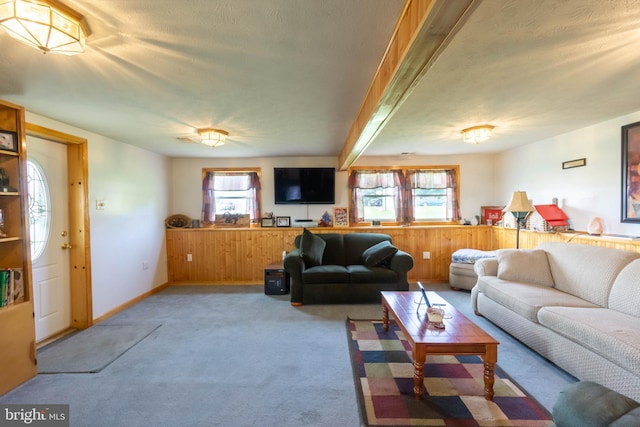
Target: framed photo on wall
x=630, y=210
x=283, y=221
x=8, y=141
x=490, y=215
x=340, y=217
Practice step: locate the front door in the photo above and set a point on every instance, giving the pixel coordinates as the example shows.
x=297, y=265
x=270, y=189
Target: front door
x=49, y=229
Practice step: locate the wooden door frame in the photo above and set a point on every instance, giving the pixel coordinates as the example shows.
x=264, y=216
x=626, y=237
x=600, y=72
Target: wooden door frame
x=79, y=237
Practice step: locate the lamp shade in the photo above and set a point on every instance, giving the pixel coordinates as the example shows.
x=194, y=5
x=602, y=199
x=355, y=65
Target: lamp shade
x=519, y=203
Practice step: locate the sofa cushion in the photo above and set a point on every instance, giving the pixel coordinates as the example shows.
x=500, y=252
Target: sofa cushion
x=609, y=333
x=378, y=254
x=334, y=251
x=526, y=299
x=630, y=419
x=312, y=248
x=361, y=274
x=586, y=271
x=587, y=404
x=470, y=256
x=356, y=243
x=624, y=296
x=325, y=274
x=524, y=265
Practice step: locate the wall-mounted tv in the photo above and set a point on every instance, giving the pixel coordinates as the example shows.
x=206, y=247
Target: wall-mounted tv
x=301, y=186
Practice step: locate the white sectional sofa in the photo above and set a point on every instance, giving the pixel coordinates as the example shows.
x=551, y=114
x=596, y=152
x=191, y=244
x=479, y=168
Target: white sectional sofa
x=576, y=305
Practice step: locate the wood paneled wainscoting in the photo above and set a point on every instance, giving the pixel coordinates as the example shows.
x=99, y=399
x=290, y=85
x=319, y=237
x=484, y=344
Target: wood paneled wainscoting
x=506, y=238
x=238, y=256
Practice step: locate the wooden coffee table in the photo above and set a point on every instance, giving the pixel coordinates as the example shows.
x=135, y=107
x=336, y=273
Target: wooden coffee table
x=459, y=336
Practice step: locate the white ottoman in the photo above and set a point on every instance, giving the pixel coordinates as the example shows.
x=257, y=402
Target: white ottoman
x=461, y=273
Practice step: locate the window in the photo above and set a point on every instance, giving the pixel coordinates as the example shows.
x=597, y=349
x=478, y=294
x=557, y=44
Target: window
x=39, y=209
x=376, y=195
x=230, y=191
x=404, y=195
x=432, y=194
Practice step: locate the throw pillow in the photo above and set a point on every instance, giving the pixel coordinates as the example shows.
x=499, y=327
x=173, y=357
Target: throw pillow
x=524, y=265
x=312, y=248
x=378, y=254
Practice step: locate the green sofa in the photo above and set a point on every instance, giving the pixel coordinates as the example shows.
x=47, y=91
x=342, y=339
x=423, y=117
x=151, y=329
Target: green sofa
x=331, y=268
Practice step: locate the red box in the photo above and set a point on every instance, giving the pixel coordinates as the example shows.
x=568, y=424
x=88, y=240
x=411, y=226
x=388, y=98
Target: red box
x=490, y=215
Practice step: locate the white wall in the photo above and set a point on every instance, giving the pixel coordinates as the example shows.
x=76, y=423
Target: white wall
x=134, y=184
x=186, y=182
x=583, y=192
x=476, y=181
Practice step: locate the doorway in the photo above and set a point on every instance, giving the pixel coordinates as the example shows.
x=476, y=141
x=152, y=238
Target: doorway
x=78, y=237
x=48, y=231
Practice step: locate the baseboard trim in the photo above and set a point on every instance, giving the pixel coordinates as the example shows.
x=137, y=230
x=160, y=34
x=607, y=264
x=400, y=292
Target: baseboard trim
x=205, y=283
x=130, y=303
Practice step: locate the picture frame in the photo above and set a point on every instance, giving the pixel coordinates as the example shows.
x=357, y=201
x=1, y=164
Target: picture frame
x=490, y=215
x=630, y=186
x=283, y=221
x=228, y=220
x=574, y=163
x=340, y=217
x=267, y=222
x=8, y=141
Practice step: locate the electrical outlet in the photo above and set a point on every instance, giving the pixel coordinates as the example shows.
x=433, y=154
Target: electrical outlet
x=145, y=265
x=189, y=257
x=426, y=255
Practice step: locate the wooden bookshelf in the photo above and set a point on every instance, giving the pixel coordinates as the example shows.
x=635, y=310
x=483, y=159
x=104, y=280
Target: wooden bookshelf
x=17, y=329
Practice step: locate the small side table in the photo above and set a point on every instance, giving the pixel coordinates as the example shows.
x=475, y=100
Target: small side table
x=276, y=280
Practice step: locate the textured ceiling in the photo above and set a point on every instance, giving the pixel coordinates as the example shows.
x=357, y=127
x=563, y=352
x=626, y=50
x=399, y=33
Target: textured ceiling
x=286, y=78
x=533, y=69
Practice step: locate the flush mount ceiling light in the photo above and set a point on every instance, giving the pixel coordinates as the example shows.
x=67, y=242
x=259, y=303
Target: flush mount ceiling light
x=213, y=137
x=44, y=24
x=477, y=134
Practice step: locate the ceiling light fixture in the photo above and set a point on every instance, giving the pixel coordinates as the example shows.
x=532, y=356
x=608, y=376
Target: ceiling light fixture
x=44, y=24
x=213, y=137
x=477, y=134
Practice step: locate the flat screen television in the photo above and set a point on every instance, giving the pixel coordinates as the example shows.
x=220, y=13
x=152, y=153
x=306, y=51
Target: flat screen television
x=301, y=186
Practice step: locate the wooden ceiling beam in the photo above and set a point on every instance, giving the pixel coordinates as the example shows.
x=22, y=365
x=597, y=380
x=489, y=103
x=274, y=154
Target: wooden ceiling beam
x=424, y=29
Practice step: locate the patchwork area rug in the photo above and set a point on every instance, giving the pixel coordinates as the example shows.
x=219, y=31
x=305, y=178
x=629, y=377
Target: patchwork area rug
x=92, y=349
x=454, y=387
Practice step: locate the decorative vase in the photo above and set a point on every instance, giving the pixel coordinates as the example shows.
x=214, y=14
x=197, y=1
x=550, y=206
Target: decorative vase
x=595, y=226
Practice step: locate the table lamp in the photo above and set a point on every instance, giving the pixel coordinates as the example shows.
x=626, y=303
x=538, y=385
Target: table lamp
x=520, y=207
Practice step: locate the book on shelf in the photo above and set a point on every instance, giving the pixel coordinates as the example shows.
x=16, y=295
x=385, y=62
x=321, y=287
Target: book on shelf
x=11, y=286
x=3, y=287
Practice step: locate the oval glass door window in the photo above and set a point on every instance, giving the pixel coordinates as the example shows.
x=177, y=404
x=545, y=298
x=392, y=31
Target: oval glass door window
x=39, y=208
